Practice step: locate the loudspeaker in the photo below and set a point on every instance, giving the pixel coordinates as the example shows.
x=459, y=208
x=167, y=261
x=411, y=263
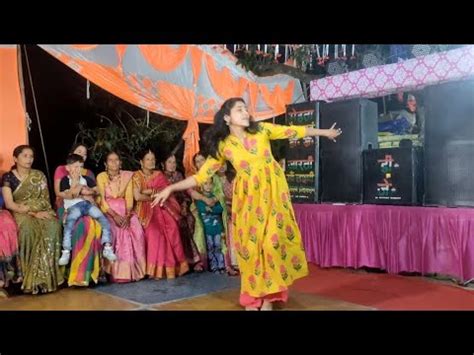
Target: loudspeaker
x=302, y=163
x=341, y=161
x=393, y=176
x=449, y=144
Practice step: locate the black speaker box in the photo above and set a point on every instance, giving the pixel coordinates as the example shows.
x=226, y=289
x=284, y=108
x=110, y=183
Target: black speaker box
x=449, y=144
x=393, y=176
x=341, y=161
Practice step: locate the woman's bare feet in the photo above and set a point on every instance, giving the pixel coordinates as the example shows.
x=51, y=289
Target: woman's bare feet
x=251, y=309
x=232, y=272
x=266, y=306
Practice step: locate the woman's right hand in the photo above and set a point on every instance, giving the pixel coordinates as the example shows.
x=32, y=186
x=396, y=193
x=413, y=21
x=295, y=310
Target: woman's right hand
x=76, y=191
x=210, y=201
x=23, y=208
x=118, y=219
x=43, y=215
x=161, y=197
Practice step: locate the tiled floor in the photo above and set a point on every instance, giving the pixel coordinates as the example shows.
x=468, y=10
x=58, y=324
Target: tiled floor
x=89, y=299
x=99, y=298
x=67, y=299
x=228, y=300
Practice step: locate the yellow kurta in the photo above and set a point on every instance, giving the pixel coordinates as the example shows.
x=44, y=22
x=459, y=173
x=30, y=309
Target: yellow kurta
x=266, y=236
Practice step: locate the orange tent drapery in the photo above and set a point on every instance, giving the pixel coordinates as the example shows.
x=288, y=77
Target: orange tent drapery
x=164, y=58
x=222, y=81
x=180, y=82
x=13, y=129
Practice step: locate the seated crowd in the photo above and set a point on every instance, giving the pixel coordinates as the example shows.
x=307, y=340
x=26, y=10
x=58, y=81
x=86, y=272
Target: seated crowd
x=104, y=229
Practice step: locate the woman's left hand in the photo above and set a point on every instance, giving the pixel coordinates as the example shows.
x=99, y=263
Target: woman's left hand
x=160, y=198
x=126, y=220
x=332, y=133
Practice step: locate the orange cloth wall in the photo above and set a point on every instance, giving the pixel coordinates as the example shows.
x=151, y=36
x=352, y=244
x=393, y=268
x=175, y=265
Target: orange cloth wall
x=13, y=129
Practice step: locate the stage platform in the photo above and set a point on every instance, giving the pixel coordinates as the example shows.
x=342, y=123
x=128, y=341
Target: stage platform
x=425, y=240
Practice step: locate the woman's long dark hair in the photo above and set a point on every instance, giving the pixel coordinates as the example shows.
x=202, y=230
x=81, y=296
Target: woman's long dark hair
x=77, y=145
x=230, y=173
x=195, y=156
x=109, y=154
x=142, y=153
x=220, y=130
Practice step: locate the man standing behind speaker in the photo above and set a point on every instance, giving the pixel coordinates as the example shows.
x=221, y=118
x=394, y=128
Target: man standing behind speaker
x=410, y=114
x=408, y=121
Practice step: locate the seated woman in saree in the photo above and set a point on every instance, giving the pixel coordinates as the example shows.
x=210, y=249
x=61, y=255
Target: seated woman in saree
x=116, y=202
x=164, y=251
x=26, y=195
x=10, y=268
